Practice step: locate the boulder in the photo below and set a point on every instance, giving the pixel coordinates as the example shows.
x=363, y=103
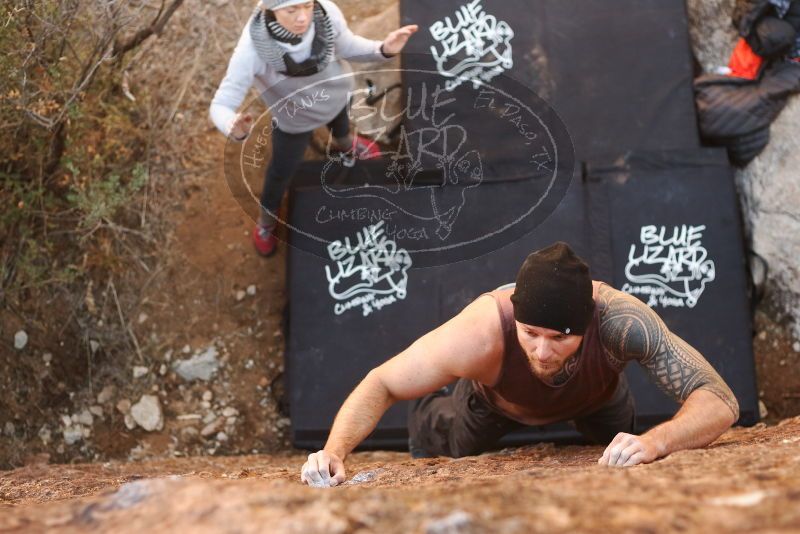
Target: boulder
x=768, y=188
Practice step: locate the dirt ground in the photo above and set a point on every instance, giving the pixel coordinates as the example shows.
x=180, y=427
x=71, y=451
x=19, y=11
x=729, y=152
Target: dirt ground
x=746, y=481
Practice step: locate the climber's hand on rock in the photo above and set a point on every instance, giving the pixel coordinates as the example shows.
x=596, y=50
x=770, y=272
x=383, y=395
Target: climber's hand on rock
x=322, y=470
x=626, y=450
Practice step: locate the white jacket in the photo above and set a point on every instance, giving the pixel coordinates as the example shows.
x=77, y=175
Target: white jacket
x=299, y=104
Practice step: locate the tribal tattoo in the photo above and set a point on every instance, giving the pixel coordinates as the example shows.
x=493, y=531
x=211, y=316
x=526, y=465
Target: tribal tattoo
x=630, y=330
x=566, y=372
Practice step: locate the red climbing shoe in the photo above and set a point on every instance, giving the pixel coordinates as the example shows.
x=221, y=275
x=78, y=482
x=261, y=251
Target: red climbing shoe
x=363, y=148
x=264, y=240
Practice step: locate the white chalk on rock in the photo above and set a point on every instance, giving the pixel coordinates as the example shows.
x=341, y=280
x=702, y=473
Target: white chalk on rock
x=741, y=500
x=454, y=523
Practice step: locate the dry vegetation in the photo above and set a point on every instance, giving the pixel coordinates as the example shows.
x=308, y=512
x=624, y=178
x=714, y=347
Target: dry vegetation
x=113, y=209
x=91, y=158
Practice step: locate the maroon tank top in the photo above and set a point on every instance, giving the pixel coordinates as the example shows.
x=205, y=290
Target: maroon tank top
x=522, y=396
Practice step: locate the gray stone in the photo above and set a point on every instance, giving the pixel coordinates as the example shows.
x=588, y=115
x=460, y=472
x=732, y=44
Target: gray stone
x=230, y=412
x=251, y=289
x=124, y=406
x=130, y=424
x=212, y=428
x=147, y=413
x=20, y=339
x=210, y=416
x=9, y=429
x=96, y=410
x=45, y=435
x=73, y=434
x=139, y=371
x=84, y=417
x=105, y=395
x=199, y=367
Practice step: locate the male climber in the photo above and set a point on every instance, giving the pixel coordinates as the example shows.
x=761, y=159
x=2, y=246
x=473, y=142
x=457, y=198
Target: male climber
x=551, y=349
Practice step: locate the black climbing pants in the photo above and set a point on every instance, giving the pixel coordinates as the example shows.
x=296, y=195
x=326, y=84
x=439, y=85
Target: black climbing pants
x=287, y=154
x=462, y=423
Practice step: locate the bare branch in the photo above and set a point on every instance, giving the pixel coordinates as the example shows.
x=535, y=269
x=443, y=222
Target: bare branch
x=156, y=27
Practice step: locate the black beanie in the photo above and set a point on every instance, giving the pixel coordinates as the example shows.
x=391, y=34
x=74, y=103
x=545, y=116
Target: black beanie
x=554, y=290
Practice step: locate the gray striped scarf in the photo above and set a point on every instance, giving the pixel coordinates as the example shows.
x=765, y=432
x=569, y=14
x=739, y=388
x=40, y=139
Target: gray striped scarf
x=271, y=52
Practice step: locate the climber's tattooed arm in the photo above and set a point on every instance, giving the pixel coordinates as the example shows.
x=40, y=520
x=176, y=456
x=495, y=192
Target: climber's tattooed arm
x=630, y=330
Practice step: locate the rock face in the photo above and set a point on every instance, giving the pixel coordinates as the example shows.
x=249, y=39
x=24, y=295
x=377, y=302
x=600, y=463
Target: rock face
x=746, y=483
x=769, y=188
x=147, y=413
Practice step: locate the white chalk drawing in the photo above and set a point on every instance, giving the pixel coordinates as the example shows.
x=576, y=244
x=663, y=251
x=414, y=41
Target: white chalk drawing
x=476, y=47
x=370, y=271
x=444, y=143
x=671, y=268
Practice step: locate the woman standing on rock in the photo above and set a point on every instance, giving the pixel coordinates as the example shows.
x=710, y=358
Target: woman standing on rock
x=292, y=50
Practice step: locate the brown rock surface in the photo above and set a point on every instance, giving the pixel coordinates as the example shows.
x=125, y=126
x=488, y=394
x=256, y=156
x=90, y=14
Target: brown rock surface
x=746, y=481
